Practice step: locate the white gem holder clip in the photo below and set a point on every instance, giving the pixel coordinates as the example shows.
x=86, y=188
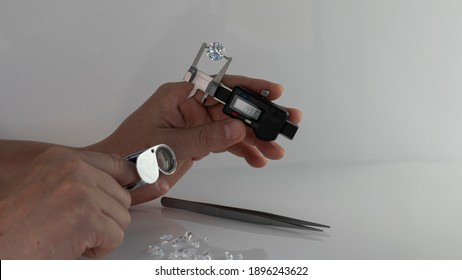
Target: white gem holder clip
x=202, y=81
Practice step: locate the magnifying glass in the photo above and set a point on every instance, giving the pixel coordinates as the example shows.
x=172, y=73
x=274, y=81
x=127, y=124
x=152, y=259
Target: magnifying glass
x=150, y=161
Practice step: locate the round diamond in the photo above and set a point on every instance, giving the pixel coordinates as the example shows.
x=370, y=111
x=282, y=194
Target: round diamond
x=188, y=235
x=228, y=256
x=167, y=237
x=155, y=251
x=215, y=51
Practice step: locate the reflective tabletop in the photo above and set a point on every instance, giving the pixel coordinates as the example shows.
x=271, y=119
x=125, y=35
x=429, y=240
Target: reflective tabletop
x=377, y=210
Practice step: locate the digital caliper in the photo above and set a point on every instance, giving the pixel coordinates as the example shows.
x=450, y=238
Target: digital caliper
x=265, y=118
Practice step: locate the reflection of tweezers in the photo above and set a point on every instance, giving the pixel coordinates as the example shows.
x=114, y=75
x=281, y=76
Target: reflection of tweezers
x=245, y=215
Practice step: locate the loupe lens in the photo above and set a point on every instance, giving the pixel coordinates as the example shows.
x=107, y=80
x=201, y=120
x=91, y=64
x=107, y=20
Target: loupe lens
x=166, y=160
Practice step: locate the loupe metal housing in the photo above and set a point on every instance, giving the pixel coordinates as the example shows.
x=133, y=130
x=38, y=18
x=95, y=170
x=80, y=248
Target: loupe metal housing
x=150, y=161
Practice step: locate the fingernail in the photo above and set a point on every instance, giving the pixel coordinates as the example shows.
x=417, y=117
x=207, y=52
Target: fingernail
x=163, y=186
x=233, y=130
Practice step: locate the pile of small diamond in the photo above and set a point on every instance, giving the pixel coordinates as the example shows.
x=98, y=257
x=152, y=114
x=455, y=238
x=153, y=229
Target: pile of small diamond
x=185, y=247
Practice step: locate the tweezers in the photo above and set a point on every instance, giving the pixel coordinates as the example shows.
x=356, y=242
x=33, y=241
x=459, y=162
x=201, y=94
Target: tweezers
x=239, y=214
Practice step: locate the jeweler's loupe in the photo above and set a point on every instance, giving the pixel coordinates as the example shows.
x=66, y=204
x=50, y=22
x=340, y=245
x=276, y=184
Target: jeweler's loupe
x=150, y=161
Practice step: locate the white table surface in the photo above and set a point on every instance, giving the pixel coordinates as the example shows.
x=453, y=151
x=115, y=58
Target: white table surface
x=377, y=210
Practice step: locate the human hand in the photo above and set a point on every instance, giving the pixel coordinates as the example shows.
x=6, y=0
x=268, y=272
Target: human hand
x=67, y=203
x=192, y=131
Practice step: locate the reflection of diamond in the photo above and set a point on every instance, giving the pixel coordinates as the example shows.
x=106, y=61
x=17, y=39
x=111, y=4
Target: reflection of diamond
x=215, y=51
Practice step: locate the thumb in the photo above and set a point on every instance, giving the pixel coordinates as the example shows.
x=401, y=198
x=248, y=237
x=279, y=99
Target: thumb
x=123, y=171
x=210, y=137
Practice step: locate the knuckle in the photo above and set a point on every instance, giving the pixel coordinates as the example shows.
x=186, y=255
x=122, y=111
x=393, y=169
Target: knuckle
x=116, y=157
x=126, y=219
x=165, y=87
x=111, y=240
x=119, y=236
x=204, y=137
x=127, y=199
x=117, y=162
x=124, y=197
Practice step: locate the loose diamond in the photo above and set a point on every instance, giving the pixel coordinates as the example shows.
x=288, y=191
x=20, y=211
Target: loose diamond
x=155, y=251
x=195, y=244
x=215, y=51
x=188, y=235
x=167, y=237
x=190, y=252
x=202, y=257
x=228, y=256
x=185, y=247
x=178, y=242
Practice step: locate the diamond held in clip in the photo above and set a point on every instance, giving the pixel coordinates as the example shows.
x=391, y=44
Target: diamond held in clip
x=215, y=51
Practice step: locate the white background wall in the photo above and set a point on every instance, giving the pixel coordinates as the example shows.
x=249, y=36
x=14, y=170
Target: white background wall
x=376, y=80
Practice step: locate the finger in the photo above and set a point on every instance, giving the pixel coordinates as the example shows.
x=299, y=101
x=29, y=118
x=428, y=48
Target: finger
x=183, y=168
x=106, y=236
x=255, y=85
x=295, y=115
x=120, y=169
x=160, y=187
x=270, y=150
x=194, y=114
x=113, y=208
x=175, y=90
x=250, y=153
x=182, y=91
x=112, y=167
x=149, y=192
x=216, y=113
x=213, y=136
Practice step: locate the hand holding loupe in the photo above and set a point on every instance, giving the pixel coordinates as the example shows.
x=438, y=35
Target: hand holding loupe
x=150, y=161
